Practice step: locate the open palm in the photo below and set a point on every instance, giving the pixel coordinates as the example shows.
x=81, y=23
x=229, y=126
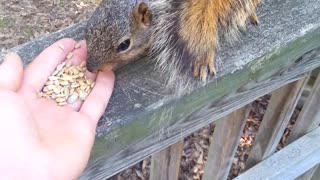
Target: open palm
x=39, y=139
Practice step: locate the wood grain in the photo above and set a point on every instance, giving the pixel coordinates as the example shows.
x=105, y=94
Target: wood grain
x=225, y=140
x=309, y=119
x=279, y=111
x=290, y=162
x=166, y=163
x=309, y=174
x=316, y=174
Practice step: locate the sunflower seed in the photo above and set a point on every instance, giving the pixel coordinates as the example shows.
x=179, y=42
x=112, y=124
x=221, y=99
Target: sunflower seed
x=78, y=45
x=73, y=98
x=56, y=90
x=83, y=64
x=66, y=78
x=49, y=82
x=67, y=83
x=53, y=96
x=62, y=103
x=61, y=46
x=70, y=54
x=59, y=100
x=50, y=87
x=64, y=83
x=57, y=82
x=82, y=96
x=52, y=78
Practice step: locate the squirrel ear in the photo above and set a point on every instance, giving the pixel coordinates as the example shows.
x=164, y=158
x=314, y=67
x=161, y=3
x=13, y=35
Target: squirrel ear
x=143, y=14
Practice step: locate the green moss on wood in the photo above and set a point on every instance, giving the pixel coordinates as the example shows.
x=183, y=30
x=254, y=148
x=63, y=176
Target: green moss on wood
x=4, y=22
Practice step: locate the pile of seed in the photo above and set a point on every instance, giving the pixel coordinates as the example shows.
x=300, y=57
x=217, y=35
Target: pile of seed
x=67, y=84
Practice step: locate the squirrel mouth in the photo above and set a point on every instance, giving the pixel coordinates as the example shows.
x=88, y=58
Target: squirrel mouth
x=113, y=65
x=109, y=66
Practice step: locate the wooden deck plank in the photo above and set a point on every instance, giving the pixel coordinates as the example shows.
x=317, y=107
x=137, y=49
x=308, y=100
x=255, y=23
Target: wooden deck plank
x=225, y=140
x=309, y=117
x=290, y=162
x=309, y=174
x=316, y=174
x=166, y=163
x=279, y=111
x=308, y=120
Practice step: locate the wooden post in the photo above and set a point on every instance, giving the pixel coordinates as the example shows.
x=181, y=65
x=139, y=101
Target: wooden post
x=226, y=138
x=316, y=174
x=309, y=119
x=165, y=164
x=275, y=120
x=309, y=174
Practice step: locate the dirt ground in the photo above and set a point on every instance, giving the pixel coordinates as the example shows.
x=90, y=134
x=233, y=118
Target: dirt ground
x=24, y=20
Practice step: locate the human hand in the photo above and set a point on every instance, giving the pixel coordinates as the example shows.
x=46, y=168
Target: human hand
x=39, y=139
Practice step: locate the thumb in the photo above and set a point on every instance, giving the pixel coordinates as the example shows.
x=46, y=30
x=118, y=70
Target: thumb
x=11, y=72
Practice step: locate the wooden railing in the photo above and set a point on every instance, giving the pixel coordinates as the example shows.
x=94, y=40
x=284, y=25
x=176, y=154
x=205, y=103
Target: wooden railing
x=144, y=119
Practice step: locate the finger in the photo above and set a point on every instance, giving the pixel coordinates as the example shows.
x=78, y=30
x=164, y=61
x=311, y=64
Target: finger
x=79, y=54
x=36, y=73
x=11, y=71
x=96, y=102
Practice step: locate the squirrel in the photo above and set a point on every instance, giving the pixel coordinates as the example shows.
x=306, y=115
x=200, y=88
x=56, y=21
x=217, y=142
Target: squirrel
x=181, y=35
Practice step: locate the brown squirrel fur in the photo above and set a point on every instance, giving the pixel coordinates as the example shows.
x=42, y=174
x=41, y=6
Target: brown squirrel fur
x=182, y=35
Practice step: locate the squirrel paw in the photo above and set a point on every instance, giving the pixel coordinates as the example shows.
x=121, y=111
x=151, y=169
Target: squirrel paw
x=201, y=69
x=254, y=20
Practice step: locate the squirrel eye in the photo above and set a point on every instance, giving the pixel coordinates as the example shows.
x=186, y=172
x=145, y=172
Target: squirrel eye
x=124, y=45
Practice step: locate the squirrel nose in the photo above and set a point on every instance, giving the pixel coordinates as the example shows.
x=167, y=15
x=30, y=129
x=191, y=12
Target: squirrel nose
x=91, y=69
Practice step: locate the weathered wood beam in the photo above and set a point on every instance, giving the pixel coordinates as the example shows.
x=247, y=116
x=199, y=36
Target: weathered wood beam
x=226, y=138
x=309, y=174
x=290, y=162
x=165, y=164
x=309, y=119
x=316, y=174
x=143, y=117
x=279, y=111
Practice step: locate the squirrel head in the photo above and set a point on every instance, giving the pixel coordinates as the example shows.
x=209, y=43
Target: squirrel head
x=117, y=34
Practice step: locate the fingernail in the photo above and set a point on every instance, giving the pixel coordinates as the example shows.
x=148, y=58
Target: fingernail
x=108, y=73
